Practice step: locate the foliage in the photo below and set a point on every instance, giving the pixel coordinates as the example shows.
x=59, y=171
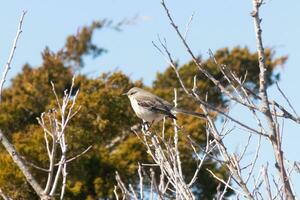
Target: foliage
x=105, y=115
x=81, y=44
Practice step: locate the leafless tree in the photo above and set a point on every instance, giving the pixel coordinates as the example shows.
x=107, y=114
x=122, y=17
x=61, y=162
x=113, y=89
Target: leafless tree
x=165, y=153
x=54, y=124
x=266, y=112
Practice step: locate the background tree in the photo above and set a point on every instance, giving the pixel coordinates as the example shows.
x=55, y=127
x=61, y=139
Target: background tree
x=105, y=118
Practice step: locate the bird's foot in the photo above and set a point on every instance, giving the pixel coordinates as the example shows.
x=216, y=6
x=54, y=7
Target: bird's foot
x=145, y=126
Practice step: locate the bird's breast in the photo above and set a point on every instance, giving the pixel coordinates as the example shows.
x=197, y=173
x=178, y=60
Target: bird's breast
x=144, y=113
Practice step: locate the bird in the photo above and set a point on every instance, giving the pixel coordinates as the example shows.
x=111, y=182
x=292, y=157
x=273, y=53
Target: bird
x=151, y=108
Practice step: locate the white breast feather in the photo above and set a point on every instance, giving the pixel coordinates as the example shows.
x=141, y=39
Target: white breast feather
x=143, y=113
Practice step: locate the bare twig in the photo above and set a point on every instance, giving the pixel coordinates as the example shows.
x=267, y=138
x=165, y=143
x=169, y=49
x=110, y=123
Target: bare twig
x=76, y=156
x=287, y=100
x=12, y=52
x=267, y=182
x=187, y=28
x=225, y=183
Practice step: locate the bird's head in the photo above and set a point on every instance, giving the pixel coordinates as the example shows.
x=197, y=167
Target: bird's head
x=133, y=91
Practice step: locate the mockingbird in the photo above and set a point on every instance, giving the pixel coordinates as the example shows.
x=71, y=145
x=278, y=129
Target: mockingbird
x=151, y=108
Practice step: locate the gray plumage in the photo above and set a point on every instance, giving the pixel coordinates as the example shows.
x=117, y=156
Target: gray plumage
x=152, y=108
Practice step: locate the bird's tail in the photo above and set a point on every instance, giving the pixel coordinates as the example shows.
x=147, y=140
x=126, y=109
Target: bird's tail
x=187, y=112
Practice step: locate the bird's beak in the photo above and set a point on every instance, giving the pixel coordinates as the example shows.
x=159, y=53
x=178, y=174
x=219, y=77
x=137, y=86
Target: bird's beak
x=125, y=94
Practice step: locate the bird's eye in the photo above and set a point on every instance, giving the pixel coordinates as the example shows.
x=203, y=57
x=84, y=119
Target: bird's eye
x=133, y=92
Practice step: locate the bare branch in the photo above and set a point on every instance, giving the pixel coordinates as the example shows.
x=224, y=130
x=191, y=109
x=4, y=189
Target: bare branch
x=12, y=52
x=225, y=183
x=116, y=193
x=287, y=100
x=141, y=182
x=274, y=133
x=267, y=182
x=5, y=142
x=76, y=156
x=18, y=160
x=177, y=162
x=187, y=28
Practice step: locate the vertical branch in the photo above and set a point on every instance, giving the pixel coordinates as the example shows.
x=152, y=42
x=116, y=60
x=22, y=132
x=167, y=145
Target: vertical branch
x=51, y=162
x=55, y=126
x=267, y=182
x=141, y=182
x=64, y=169
x=152, y=183
x=5, y=142
x=274, y=133
x=11, y=55
x=261, y=54
x=177, y=160
x=66, y=114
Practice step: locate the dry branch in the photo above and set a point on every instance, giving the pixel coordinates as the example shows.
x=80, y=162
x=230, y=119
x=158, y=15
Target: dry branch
x=5, y=142
x=12, y=52
x=274, y=132
x=54, y=138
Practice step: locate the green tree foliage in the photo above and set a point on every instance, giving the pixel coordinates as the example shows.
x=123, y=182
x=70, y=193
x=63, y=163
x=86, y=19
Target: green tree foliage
x=81, y=44
x=105, y=115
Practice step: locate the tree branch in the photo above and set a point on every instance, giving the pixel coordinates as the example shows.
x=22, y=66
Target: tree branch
x=11, y=55
x=274, y=132
x=18, y=160
x=5, y=142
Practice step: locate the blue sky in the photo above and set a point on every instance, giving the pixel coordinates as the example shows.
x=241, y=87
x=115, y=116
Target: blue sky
x=216, y=24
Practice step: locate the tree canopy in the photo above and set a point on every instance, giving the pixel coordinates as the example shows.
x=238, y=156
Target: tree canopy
x=105, y=117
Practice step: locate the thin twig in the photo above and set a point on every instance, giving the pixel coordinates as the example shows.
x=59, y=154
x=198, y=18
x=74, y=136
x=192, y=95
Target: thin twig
x=267, y=182
x=187, y=28
x=287, y=99
x=77, y=156
x=225, y=183
x=12, y=52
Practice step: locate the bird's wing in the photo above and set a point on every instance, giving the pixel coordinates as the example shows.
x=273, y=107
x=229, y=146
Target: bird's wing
x=155, y=103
